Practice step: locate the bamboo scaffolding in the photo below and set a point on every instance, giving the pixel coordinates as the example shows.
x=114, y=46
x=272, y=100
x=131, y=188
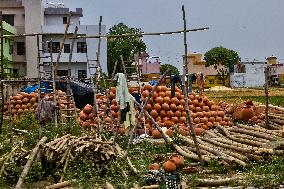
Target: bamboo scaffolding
x=2, y=72
x=145, y=34
x=62, y=43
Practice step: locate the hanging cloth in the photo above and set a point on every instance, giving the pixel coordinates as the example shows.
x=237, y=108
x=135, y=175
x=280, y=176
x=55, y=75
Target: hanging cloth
x=174, y=80
x=130, y=115
x=122, y=93
x=191, y=78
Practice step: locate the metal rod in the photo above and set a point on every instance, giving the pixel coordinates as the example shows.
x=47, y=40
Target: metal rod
x=144, y=34
x=185, y=92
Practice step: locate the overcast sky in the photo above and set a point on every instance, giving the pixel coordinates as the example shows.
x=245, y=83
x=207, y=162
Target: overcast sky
x=253, y=28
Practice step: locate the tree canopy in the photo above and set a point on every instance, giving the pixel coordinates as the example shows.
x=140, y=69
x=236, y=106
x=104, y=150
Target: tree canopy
x=173, y=69
x=223, y=60
x=123, y=46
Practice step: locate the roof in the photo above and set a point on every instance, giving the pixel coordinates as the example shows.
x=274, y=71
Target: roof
x=62, y=11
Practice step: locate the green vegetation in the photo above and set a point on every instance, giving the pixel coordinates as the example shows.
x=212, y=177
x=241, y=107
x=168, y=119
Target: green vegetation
x=172, y=69
x=223, y=61
x=126, y=47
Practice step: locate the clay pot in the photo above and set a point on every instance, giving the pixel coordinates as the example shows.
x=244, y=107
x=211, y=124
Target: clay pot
x=170, y=114
x=168, y=123
x=247, y=113
x=156, y=134
x=178, y=160
x=177, y=114
x=170, y=133
x=173, y=107
x=154, y=114
x=165, y=107
x=167, y=100
x=157, y=107
x=175, y=120
x=169, y=166
x=159, y=100
x=199, y=131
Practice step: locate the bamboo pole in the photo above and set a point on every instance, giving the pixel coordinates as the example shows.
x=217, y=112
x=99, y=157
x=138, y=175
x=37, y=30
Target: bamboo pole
x=266, y=96
x=62, y=43
x=185, y=91
x=145, y=34
x=29, y=163
x=53, y=83
x=142, y=113
x=69, y=76
x=2, y=72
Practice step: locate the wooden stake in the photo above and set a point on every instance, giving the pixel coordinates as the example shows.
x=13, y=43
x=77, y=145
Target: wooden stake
x=2, y=72
x=266, y=96
x=142, y=113
x=185, y=91
x=29, y=163
x=60, y=185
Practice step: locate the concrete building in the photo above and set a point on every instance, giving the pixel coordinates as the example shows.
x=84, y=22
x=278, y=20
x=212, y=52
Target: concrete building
x=149, y=65
x=32, y=16
x=8, y=48
x=85, y=50
x=196, y=64
x=14, y=14
x=248, y=74
x=276, y=70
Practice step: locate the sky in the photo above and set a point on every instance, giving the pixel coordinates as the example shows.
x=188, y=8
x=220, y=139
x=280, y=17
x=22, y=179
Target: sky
x=253, y=28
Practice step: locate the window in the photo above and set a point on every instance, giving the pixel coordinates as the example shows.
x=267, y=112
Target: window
x=81, y=47
x=66, y=48
x=82, y=74
x=61, y=73
x=11, y=49
x=64, y=20
x=9, y=18
x=55, y=47
x=21, y=48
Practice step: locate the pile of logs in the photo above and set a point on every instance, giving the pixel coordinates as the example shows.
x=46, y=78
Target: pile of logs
x=70, y=147
x=276, y=118
x=238, y=144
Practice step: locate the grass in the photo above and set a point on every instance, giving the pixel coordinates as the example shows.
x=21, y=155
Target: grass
x=268, y=174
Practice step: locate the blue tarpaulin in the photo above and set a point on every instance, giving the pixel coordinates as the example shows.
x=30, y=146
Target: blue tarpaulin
x=33, y=88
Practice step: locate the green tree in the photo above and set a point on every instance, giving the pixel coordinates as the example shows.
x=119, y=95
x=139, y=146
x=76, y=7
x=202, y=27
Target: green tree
x=125, y=46
x=172, y=69
x=223, y=61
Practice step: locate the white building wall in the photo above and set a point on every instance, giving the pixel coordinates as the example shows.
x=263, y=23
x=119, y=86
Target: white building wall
x=58, y=20
x=34, y=18
x=254, y=76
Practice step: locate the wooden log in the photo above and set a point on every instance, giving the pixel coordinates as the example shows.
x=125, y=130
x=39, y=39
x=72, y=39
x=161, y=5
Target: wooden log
x=29, y=163
x=252, y=133
x=216, y=182
x=259, y=129
x=20, y=131
x=239, y=140
x=7, y=158
x=257, y=150
x=249, y=137
x=192, y=149
x=281, y=122
x=60, y=185
x=191, y=155
x=275, y=116
x=214, y=150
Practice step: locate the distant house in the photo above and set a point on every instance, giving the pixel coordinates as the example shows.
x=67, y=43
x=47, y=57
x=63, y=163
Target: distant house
x=248, y=74
x=149, y=65
x=8, y=47
x=196, y=64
